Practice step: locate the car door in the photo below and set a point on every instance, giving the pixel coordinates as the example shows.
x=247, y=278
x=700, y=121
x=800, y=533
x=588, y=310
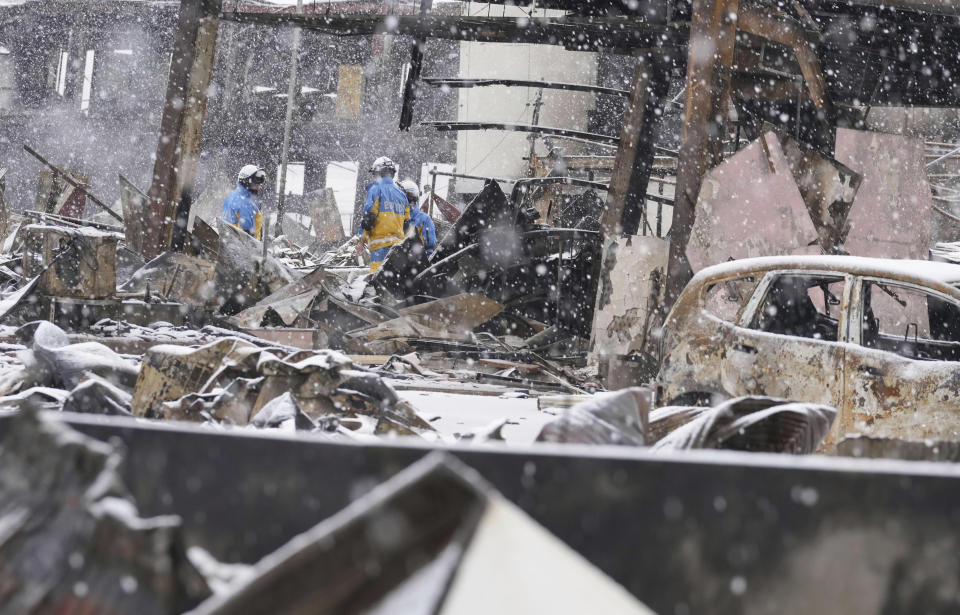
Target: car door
x=691, y=365
x=902, y=369
x=787, y=342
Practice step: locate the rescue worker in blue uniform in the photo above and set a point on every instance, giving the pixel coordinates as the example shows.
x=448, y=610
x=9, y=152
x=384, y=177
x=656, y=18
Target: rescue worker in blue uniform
x=385, y=215
x=240, y=207
x=420, y=221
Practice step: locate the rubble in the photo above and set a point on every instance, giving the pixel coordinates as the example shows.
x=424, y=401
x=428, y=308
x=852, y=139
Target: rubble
x=438, y=534
x=73, y=539
x=238, y=383
x=565, y=302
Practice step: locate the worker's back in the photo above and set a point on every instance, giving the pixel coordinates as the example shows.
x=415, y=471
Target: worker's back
x=425, y=229
x=391, y=209
x=240, y=210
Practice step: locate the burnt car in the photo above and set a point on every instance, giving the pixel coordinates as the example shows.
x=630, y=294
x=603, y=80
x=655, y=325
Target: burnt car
x=878, y=339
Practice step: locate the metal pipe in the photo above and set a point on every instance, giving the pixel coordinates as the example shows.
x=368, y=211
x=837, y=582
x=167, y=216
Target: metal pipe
x=435, y=172
x=433, y=192
x=944, y=157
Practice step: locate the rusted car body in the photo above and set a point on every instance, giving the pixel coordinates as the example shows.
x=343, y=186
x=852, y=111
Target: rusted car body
x=878, y=339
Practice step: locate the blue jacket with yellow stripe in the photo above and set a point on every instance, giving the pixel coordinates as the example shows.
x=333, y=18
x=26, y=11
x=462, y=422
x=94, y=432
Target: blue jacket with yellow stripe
x=426, y=230
x=240, y=210
x=390, y=205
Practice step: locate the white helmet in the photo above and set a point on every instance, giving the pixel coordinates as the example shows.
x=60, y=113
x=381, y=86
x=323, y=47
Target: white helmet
x=251, y=174
x=411, y=188
x=383, y=163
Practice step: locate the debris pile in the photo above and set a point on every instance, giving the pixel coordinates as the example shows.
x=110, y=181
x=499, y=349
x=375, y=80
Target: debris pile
x=73, y=539
x=295, y=332
x=235, y=382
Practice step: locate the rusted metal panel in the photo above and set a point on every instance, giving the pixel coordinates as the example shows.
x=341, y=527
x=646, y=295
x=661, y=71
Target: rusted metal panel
x=710, y=59
x=892, y=214
x=887, y=395
x=758, y=363
x=181, y=126
x=745, y=210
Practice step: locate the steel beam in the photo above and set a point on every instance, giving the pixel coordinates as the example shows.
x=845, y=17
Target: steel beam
x=583, y=34
x=709, y=63
x=181, y=126
x=635, y=152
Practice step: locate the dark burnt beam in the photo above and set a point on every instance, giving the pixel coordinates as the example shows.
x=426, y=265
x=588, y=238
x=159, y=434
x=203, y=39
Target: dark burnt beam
x=790, y=33
x=523, y=83
x=947, y=8
x=578, y=33
x=545, y=130
x=635, y=151
x=181, y=126
x=709, y=63
x=411, y=87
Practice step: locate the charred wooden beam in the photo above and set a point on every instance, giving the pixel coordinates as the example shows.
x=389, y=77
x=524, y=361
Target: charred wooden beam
x=413, y=77
x=784, y=30
x=522, y=83
x=181, y=126
x=635, y=151
x=546, y=130
x=713, y=28
x=578, y=33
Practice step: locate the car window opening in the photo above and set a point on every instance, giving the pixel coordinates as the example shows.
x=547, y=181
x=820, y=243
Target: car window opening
x=799, y=305
x=909, y=322
x=726, y=299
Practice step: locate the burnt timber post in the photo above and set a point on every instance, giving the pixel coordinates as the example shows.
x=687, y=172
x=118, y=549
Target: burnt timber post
x=635, y=151
x=413, y=77
x=627, y=195
x=181, y=126
x=713, y=28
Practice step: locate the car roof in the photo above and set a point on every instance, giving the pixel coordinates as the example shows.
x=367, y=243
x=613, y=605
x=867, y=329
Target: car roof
x=927, y=271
